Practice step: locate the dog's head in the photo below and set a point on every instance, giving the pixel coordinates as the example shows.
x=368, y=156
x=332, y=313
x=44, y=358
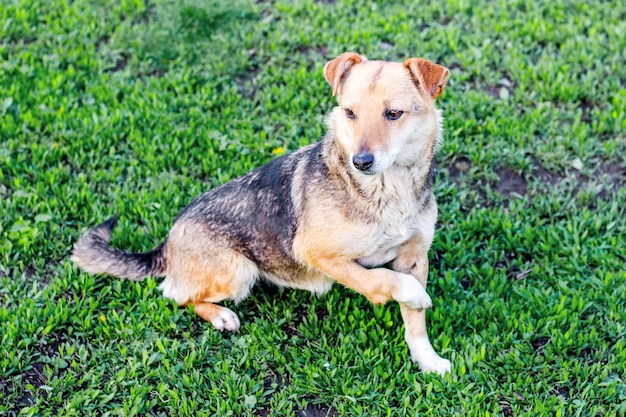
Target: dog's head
x=386, y=113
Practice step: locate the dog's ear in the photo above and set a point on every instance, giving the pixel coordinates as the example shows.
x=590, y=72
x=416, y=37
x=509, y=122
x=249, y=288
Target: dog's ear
x=432, y=78
x=334, y=70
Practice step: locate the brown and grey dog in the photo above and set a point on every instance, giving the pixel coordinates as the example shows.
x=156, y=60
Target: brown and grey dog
x=334, y=211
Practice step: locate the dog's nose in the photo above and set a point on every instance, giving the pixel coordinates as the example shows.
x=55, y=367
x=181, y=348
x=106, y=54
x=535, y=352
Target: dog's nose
x=363, y=161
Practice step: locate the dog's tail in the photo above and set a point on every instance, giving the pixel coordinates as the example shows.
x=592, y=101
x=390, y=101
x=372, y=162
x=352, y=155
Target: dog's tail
x=95, y=255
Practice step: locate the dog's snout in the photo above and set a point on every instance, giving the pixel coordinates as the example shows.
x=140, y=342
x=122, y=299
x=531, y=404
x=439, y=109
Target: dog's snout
x=363, y=161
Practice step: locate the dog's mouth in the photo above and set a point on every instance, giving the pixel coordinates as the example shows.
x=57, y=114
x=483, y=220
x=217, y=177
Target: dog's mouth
x=368, y=172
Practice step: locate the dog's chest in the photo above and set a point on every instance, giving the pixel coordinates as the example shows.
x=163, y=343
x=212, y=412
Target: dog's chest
x=397, y=221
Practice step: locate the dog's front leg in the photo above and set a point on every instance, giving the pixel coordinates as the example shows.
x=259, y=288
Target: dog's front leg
x=378, y=285
x=413, y=259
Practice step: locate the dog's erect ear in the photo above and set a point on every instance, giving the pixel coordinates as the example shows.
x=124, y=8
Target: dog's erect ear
x=334, y=70
x=432, y=78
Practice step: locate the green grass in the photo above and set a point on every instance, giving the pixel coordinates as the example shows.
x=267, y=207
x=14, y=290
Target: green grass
x=135, y=107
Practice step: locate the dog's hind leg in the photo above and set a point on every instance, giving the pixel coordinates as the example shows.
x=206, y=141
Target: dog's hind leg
x=236, y=275
x=220, y=317
x=203, y=290
x=203, y=270
x=212, y=281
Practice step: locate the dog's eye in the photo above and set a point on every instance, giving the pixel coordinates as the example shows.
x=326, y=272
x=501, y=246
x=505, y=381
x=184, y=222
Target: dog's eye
x=350, y=114
x=393, y=114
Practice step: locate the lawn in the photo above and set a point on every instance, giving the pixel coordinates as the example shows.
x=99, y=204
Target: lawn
x=135, y=107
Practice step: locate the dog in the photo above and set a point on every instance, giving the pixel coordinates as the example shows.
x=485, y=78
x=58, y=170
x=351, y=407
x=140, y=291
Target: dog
x=356, y=208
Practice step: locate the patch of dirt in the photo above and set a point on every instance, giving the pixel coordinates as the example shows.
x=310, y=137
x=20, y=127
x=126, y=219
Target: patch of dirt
x=615, y=175
x=511, y=183
x=120, y=63
x=5, y=386
x=587, y=106
x=321, y=313
x=246, y=82
x=539, y=343
x=316, y=411
x=282, y=381
x=502, y=90
x=312, y=54
x=50, y=347
x=607, y=177
x=42, y=274
x=28, y=40
x=466, y=283
x=157, y=73
x=104, y=40
x=34, y=376
x=585, y=353
x=546, y=176
x=444, y=19
x=386, y=45
x=308, y=50
x=23, y=42
x=29, y=271
x=507, y=411
x=461, y=165
x=523, y=274
x=514, y=270
x=492, y=90
x=562, y=392
x=149, y=12
x=310, y=411
x=291, y=331
x=456, y=65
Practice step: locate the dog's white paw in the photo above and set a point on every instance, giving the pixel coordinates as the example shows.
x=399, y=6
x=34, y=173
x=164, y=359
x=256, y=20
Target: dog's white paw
x=424, y=354
x=226, y=320
x=412, y=293
x=440, y=365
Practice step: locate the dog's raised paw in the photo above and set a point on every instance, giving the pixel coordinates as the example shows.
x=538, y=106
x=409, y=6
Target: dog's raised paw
x=412, y=293
x=226, y=319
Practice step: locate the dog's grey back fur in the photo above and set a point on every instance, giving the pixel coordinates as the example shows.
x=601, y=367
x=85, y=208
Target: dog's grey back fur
x=255, y=213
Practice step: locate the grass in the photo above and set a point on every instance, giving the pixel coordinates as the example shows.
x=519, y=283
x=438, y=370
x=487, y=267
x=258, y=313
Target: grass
x=135, y=107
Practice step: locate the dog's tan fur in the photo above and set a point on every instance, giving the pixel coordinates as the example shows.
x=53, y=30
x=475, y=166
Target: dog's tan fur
x=335, y=221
